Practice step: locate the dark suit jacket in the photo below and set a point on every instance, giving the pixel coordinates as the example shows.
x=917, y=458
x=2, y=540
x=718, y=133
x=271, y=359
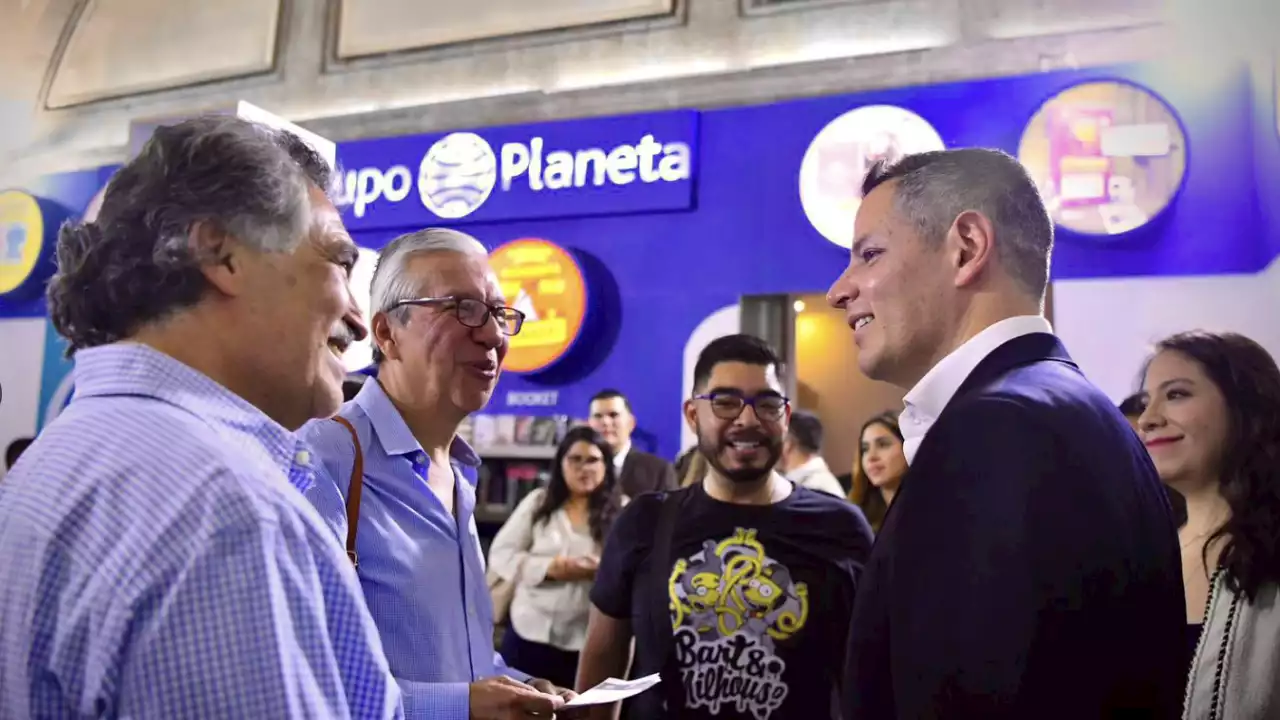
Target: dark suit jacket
x=642, y=472
x=1028, y=568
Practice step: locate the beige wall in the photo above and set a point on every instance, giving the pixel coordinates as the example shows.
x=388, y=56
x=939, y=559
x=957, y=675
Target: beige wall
x=829, y=383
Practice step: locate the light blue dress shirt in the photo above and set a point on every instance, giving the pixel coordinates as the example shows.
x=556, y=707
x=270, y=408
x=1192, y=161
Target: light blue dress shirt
x=159, y=561
x=421, y=567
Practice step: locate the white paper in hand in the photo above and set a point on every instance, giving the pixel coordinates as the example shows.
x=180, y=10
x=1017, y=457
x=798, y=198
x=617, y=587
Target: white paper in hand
x=613, y=690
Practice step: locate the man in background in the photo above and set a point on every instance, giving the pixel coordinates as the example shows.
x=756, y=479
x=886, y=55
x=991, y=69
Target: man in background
x=1029, y=568
x=802, y=460
x=15, y=450
x=441, y=329
x=638, y=471
x=1131, y=408
x=159, y=558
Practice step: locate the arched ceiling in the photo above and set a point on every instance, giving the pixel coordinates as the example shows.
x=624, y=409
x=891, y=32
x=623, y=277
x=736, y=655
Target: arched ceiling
x=117, y=48
x=75, y=73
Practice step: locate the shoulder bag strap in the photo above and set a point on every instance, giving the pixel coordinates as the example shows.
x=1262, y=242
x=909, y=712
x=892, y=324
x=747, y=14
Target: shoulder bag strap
x=353, y=492
x=660, y=610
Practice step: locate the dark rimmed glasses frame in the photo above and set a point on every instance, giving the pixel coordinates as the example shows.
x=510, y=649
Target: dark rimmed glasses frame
x=728, y=406
x=473, y=313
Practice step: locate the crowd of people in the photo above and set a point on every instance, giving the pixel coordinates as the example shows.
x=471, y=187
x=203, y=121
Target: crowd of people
x=209, y=530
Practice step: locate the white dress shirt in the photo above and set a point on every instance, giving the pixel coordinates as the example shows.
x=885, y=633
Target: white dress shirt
x=620, y=457
x=816, y=475
x=926, y=401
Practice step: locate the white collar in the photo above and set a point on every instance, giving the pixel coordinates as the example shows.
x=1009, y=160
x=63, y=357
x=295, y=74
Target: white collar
x=621, y=456
x=926, y=401
x=812, y=466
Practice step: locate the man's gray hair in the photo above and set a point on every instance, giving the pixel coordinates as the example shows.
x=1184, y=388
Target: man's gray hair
x=933, y=188
x=136, y=263
x=392, y=283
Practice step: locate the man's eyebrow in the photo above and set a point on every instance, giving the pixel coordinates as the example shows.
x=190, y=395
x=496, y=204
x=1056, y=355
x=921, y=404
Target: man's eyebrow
x=859, y=242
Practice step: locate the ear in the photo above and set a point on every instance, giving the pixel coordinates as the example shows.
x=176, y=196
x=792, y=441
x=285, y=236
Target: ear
x=383, y=336
x=222, y=260
x=972, y=241
x=691, y=415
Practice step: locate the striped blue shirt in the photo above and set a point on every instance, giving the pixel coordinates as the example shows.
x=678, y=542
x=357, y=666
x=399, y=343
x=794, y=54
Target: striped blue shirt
x=420, y=565
x=160, y=562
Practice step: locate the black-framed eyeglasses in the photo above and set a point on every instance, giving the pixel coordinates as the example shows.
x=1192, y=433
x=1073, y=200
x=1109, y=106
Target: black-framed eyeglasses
x=729, y=405
x=474, y=313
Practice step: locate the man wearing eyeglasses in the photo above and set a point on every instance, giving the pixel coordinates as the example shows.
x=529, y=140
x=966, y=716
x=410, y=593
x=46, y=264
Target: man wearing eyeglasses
x=738, y=589
x=441, y=329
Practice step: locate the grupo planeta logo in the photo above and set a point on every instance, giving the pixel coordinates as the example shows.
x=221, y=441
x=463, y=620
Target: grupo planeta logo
x=457, y=175
x=840, y=155
x=21, y=239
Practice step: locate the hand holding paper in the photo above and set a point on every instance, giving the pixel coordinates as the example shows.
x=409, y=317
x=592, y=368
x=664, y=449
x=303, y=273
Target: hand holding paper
x=613, y=690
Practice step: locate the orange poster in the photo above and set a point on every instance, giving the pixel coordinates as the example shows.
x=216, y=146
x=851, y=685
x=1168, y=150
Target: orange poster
x=544, y=282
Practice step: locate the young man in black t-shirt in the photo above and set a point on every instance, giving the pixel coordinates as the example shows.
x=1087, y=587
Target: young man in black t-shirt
x=758, y=585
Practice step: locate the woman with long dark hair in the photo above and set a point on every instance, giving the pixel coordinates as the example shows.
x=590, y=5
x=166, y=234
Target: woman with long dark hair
x=879, y=467
x=1212, y=425
x=549, y=549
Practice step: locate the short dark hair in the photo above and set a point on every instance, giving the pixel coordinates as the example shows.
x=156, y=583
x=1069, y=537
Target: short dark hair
x=806, y=430
x=15, y=450
x=351, y=388
x=609, y=394
x=1132, y=406
x=741, y=348
x=135, y=264
x=933, y=188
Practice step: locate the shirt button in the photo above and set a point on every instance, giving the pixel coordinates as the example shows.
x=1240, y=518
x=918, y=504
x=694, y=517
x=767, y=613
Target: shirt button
x=420, y=458
x=303, y=457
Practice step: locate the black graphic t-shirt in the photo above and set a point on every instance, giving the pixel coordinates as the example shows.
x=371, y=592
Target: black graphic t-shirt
x=759, y=599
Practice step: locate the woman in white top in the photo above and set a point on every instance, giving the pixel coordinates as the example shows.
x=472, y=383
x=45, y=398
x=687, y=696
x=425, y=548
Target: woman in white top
x=549, y=548
x=1212, y=425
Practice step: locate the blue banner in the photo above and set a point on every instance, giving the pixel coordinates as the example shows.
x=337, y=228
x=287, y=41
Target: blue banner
x=56, y=377
x=603, y=166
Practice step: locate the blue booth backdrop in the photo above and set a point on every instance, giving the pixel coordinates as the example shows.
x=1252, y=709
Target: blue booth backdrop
x=671, y=244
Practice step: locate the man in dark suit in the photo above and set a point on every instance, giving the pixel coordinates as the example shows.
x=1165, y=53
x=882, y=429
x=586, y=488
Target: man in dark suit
x=1029, y=566
x=638, y=472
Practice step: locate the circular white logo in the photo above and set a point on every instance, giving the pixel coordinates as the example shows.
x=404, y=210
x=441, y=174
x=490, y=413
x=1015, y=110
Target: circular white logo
x=95, y=205
x=839, y=157
x=457, y=175
x=360, y=354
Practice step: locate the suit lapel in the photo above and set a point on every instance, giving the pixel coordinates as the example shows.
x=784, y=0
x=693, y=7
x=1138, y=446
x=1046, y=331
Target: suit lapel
x=626, y=476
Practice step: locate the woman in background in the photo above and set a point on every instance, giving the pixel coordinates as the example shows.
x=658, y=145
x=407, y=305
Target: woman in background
x=694, y=470
x=879, y=467
x=1212, y=425
x=550, y=547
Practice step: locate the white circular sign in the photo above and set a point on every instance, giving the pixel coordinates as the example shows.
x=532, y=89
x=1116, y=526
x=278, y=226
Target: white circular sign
x=839, y=157
x=360, y=354
x=1107, y=156
x=95, y=206
x=457, y=175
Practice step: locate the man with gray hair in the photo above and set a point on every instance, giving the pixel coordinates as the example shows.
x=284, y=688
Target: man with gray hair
x=1029, y=567
x=399, y=485
x=159, y=558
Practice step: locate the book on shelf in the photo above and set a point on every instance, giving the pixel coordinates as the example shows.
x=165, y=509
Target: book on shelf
x=502, y=486
x=515, y=431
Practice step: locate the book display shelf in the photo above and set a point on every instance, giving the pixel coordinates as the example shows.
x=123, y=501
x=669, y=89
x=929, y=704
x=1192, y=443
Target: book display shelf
x=516, y=453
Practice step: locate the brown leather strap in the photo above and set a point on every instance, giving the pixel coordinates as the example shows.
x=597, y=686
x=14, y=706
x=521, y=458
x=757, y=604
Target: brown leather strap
x=353, y=492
